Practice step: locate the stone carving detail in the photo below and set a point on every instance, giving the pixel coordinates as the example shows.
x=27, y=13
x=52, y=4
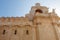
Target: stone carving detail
x=39, y=24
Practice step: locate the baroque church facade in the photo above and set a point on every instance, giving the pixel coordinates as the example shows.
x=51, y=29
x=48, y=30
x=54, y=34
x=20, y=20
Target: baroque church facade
x=39, y=24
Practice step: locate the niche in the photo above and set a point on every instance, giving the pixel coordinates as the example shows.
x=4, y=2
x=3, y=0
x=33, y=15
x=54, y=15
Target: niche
x=39, y=11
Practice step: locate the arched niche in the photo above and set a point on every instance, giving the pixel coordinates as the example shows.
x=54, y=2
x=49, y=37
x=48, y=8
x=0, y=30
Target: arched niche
x=39, y=11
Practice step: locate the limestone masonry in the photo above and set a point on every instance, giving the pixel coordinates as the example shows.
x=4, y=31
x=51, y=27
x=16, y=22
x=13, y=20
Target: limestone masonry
x=39, y=24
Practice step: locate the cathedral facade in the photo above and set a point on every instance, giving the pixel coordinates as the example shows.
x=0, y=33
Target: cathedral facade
x=39, y=24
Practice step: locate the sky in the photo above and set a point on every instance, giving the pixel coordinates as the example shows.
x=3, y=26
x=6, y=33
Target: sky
x=19, y=8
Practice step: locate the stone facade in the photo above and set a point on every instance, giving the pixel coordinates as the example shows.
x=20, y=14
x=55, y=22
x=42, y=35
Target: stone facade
x=39, y=24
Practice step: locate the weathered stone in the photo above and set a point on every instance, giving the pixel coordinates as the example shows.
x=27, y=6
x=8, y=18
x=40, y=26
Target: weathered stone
x=39, y=24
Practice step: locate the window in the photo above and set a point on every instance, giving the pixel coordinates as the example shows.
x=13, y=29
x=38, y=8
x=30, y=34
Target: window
x=15, y=32
x=27, y=32
x=4, y=32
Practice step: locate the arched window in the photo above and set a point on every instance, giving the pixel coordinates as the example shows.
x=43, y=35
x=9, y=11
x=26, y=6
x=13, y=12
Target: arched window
x=38, y=10
x=15, y=32
x=4, y=32
x=27, y=32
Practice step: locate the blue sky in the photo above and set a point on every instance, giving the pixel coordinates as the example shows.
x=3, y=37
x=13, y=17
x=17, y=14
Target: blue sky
x=22, y=7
